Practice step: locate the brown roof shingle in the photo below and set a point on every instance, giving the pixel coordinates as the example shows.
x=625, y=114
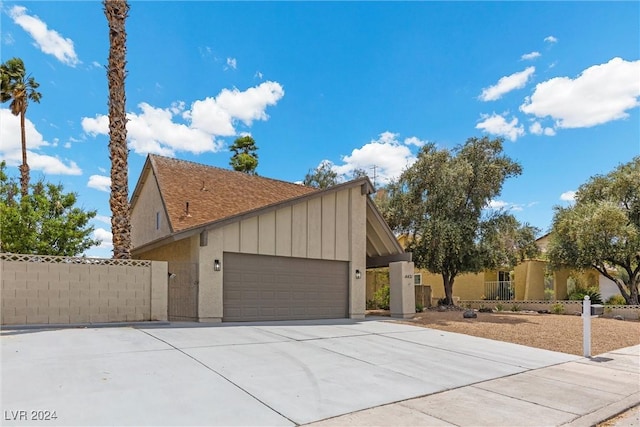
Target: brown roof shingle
x=214, y=193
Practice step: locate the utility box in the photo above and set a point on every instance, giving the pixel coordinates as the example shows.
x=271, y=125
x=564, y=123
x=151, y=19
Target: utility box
x=597, y=309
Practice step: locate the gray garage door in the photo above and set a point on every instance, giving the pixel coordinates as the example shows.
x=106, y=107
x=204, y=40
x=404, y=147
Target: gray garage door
x=260, y=287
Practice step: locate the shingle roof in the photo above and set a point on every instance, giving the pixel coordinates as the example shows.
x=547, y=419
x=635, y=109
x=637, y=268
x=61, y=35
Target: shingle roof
x=214, y=193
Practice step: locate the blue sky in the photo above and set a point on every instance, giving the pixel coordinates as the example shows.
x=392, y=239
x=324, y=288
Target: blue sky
x=360, y=84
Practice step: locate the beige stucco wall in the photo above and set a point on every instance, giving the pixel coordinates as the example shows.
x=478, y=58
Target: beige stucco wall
x=65, y=292
x=465, y=286
x=145, y=226
x=185, y=250
x=529, y=280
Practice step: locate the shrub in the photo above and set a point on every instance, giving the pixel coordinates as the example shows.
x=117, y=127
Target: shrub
x=557, y=308
x=515, y=307
x=616, y=300
x=549, y=294
x=484, y=309
x=381, y=298
x=442, y=301
x=371, y=304
x=499, y=307
x=419, y=308
x=578, y=294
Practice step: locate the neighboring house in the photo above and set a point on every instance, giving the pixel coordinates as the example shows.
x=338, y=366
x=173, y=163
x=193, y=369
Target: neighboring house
x=245, y=248
x=527, y=281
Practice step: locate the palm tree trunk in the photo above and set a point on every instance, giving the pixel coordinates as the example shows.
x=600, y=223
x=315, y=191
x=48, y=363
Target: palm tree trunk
x=24, y=167
x=116, y=12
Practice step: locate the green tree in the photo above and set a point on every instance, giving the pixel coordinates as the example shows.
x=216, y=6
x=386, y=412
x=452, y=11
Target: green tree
x=601, y=230
x=44, y=222
x=504, y=242
x=245, y=158
x=440, y=204
x=321, y=177
x=116, y=12
x=16, y=87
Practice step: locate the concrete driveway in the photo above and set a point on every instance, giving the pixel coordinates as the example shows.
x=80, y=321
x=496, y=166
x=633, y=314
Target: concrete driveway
x=283, y=373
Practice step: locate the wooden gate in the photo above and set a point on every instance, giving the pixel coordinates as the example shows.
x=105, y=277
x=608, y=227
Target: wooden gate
x=183, y=291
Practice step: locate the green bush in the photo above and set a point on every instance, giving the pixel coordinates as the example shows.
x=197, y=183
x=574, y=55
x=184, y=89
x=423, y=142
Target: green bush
x=616, y=300
x=549, y=294
x=419, y=308
x=515, y=307
x=578, y=294
x=557, y=308
x=381, y=298
x=499, y=307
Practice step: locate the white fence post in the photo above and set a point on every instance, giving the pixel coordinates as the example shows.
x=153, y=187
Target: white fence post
x=586, y=326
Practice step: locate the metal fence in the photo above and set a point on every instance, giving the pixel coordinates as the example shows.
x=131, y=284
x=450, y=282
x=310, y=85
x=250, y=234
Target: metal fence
x=499, y=290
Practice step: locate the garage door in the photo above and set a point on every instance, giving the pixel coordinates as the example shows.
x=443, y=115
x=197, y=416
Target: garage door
x=260, y=287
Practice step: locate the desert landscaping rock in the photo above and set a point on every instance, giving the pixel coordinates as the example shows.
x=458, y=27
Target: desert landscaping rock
x=469, y=314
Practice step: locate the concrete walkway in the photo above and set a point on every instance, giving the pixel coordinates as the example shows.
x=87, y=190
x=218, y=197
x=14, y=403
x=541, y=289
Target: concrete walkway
x=335, y=372
x=578, y=393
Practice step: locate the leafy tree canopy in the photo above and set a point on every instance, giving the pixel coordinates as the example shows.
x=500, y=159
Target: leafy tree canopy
x=324, y=176
x=440, y=204
x=601, y=229
x=44, y=222
x=245, y=158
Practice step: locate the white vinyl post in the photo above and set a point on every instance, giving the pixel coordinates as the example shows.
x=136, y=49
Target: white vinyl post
x=586, y=326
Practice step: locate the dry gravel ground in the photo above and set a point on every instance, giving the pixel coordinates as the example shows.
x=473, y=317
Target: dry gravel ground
x=554, y=332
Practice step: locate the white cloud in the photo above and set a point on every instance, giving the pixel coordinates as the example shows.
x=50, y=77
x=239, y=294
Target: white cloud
x=103, y=218
x=104, y=236
x=529, y=56
x=258, y=75
x=10, y=133
x=496, y=124
x=387, y=154
x=600, y=94
x=8, y=39
x=11, y=147
x=52, y=165
x=48, y=41
x=414, y=141
x=497, y=204
x=551, y=39
x=96, y=64
x=99, y=125
x=568, y=196
x=218, y=115
x=507, y=84
x=100, y=182
x=232, y=63
x=537, y=129
x=155, y=130
x=501, y=204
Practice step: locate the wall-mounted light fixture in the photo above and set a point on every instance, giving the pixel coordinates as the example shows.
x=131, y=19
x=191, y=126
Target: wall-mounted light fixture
x=358, y=274
x=171, y=275
x=216, y=265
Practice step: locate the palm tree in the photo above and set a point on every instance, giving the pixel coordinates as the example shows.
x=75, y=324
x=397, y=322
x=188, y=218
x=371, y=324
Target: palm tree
x=19, y=89
x=116, y=12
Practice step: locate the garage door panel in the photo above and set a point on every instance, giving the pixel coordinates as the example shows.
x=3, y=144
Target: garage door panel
x=261, y=287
